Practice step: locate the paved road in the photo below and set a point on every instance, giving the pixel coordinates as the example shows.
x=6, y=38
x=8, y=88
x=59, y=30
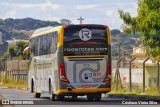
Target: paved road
x=12, y=94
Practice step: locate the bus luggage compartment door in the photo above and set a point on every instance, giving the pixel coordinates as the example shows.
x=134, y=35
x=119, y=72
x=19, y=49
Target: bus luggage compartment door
x=85, y=72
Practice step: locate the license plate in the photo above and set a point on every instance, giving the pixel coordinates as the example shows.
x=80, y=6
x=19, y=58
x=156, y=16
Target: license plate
x=86, y=86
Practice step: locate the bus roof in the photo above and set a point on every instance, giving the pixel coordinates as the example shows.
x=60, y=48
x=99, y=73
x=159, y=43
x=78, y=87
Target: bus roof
x=45, y=30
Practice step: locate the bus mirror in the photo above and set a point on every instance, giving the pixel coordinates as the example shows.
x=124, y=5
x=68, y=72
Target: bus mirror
x=26, y=53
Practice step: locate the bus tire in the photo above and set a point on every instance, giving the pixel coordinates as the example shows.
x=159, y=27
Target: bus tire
x=37, y=95
x=74, y=97
x=59, y=97
x=98, y=96
x=90, y=97
x=52, y=97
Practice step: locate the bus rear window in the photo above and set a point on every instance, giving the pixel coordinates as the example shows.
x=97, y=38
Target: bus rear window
x=90, y=40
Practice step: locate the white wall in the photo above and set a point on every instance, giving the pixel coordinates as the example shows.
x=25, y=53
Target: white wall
x=137, y=75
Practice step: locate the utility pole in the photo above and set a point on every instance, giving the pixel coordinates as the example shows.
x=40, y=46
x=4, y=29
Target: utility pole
x=81, y=19
x=119, y=51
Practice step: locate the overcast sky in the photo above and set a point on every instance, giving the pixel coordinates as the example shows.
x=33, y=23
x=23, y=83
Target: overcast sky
x=93, y=11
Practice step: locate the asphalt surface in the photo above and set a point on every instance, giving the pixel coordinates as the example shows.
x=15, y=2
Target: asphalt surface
x=13, y=94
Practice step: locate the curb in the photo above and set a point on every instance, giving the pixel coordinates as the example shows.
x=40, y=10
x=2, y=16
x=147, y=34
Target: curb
x=133, y=96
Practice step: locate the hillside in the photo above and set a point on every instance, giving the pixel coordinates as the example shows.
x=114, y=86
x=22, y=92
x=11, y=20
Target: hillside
x=21, y=28
x=126, y=41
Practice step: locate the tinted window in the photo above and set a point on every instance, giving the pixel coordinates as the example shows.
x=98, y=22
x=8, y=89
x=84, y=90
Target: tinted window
x=80, y=40
x=43, y=45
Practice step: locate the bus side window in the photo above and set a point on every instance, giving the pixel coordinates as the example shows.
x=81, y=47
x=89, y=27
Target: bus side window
x=45, y=45
x=39, y=46
x=32, y=47
x=50, y=43
x=36, y=45
x=54, y=43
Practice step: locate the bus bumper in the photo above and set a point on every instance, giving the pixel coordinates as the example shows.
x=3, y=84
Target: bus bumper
x=83, y=91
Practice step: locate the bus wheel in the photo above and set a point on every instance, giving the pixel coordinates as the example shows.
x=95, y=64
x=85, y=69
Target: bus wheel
x=52, y=97
x=90, y=97
x=59, y=97
x=37, y=95
x=74, y=97
x=98, y=96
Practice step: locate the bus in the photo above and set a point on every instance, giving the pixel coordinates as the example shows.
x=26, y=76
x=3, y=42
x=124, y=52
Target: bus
x=73, y=60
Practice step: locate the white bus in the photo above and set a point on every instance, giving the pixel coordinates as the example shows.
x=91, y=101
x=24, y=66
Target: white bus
x=73, y=60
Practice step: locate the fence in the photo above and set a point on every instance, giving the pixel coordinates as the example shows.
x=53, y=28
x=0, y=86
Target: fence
x=137, y=74
x=2, y=74
x=17, y=69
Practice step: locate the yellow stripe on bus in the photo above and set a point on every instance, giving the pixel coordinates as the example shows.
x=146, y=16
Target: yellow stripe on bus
x=60, y=37
x=84, y=90
x=108, y=34
x=47, y=31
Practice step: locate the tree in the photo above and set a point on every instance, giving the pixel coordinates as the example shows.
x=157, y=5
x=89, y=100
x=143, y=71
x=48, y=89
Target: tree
x=147, y=24
x=65, y=21
x=16, y=51
x=1, y=22
x=20, y=46
x=12, y=51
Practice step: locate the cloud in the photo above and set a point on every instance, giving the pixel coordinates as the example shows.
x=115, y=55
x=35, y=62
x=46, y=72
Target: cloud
x=86, y=7
x=96, y=12
x=11, y=13
x=48, y=5
x=45, y=6
x=109, y=13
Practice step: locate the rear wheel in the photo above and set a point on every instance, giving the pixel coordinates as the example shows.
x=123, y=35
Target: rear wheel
x=52, y=97
x=36, y=95
x=98, y=96
x=74, y=97
x=90, y=97
x=59, y=97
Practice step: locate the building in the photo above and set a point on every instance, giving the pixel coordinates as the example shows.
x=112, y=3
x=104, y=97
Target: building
x=139, y=52
x=150, y=66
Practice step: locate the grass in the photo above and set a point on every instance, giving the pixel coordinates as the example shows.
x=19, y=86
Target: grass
x=12, y=83
x=151, y=91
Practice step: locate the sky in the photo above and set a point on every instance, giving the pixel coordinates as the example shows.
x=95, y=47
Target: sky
x=93, y=11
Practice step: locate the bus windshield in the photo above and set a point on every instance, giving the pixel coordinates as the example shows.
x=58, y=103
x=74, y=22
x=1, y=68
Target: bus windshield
x=89, y=40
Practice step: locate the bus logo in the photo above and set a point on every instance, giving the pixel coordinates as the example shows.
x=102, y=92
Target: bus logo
x=85, y=34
